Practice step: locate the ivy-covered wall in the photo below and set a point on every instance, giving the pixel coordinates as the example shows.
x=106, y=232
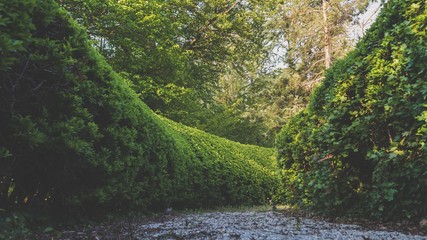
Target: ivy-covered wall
x=75, y=138
x=360, y=146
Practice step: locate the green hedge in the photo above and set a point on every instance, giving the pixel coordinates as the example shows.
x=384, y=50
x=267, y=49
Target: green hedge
x=360, y=146
x=226, y=172
x=76, y=139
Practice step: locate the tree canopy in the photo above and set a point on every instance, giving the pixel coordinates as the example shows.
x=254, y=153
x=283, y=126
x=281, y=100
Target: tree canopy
x=174, y=52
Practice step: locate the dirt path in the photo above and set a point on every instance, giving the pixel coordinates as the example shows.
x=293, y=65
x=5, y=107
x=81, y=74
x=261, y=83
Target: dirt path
x=234, y=225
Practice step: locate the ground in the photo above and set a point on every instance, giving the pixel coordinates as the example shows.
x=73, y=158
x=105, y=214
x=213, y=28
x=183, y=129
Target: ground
x=247, y=224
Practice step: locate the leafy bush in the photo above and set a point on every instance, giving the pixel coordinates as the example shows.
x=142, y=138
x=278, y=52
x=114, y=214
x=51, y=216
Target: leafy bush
x=360, y=146
x=76, y=139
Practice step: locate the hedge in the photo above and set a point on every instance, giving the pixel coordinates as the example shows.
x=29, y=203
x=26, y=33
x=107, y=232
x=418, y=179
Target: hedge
x=360, y=146
x=75, y=139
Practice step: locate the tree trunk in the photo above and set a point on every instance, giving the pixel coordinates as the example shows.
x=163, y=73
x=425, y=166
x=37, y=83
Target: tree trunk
x=327, y=40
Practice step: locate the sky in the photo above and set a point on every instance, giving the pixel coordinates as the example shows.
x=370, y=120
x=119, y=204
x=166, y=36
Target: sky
x=366, y=20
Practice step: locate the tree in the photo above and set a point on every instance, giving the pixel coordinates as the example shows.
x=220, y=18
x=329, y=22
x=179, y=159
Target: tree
x=315, y=33
x=236, y=101
x=309, y=36
x=174, y=51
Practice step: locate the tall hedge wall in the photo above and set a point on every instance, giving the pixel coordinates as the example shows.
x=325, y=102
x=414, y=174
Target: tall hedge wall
x=74, y=136
x=360, y=147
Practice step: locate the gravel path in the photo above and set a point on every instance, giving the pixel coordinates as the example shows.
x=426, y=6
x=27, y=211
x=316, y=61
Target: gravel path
x=235, y=225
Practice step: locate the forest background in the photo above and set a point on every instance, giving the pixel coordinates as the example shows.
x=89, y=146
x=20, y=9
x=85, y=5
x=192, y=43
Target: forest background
x=236, y=69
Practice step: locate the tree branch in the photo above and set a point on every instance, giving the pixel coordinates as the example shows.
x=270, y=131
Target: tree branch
x=201, y=31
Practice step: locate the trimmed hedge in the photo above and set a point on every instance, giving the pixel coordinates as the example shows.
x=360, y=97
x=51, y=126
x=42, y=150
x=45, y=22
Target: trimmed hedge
x=226, y=172
x=360, y=146
x=75, y=138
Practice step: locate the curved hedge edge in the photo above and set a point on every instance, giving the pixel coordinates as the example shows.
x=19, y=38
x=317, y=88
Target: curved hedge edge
x=77, y=141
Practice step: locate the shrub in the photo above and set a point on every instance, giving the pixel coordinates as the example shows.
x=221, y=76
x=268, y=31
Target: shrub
x=359, y=147
x=76, y=139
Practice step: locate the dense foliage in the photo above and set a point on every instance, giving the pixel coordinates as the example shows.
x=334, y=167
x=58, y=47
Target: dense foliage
x=173, y=51
x=360, y=146
x=75, y=138
x=300, y=33
x=210, y=64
